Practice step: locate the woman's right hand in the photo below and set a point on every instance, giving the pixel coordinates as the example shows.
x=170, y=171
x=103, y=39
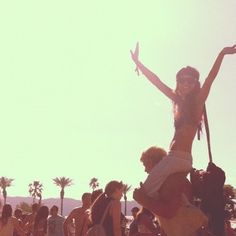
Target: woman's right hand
x=135, y=55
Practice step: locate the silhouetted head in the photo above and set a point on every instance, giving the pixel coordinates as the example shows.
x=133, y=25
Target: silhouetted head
x=114, y=189
x=18, y=213
x=135, y=211
x=86, y=200
x=43, y=212
x=35, y=207
x=151, y=157
x=54, y=210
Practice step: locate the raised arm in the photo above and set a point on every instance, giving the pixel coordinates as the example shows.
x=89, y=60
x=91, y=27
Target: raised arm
x=153, y=78
x=213, y=73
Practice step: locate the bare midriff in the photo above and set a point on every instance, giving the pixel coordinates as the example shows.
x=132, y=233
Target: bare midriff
x=183, y=138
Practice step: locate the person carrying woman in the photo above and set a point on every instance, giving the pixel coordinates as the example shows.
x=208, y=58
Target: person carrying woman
x=188, y=102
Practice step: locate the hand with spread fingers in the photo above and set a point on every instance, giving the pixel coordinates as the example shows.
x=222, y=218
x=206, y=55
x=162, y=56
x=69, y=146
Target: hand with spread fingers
x=229, y=50
x=135, y=55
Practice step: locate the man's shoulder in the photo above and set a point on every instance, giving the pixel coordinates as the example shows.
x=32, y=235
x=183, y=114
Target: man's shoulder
x=59, y=217
x=77, y=211
x=55, y=217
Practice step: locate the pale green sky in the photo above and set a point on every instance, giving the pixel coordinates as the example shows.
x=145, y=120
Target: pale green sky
x=71, y=103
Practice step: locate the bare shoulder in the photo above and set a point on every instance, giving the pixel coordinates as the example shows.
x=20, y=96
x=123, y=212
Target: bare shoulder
x=76, y=211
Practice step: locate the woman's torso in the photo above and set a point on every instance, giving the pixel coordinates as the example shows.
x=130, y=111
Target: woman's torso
x=183, y=138
x=187, y=122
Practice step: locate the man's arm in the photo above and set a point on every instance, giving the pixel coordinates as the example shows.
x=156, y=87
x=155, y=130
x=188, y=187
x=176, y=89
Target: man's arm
x=67, y=221
x=158, y=207
x=169, y=199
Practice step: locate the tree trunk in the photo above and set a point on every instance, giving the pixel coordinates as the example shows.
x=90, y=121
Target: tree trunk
x=4, y=193
x=62, y=198
x=125, y=197
x=40, y=199
x=62, y=206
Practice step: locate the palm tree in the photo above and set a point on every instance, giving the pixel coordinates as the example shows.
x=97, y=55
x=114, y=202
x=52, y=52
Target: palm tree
x=35, y=190
x=125, y=190
x=4, y=183
x=62, y=182
x=94, y=183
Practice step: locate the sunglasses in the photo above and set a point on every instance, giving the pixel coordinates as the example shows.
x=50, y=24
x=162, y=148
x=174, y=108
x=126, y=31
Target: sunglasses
x=189, y=80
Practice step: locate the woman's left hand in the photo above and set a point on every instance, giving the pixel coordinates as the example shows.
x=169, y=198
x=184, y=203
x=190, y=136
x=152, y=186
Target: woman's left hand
x=229, y=50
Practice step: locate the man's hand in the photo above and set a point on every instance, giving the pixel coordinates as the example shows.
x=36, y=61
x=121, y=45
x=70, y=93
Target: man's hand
x=138, y=195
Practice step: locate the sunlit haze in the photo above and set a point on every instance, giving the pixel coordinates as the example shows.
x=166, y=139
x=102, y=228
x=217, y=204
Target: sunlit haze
x=72, y=104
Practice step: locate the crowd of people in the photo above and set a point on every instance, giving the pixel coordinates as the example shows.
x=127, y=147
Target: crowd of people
x=96, y=206
x=105, y=207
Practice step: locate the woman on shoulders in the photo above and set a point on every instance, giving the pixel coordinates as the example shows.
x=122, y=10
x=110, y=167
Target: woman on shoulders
x=188, y=100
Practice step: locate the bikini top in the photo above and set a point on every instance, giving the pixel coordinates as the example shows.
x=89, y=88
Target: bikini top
x=187, y=119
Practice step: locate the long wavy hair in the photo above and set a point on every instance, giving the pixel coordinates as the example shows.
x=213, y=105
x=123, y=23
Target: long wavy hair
x=6, y=213
x=101, y=202
x=185, y=109
x=41, y=216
